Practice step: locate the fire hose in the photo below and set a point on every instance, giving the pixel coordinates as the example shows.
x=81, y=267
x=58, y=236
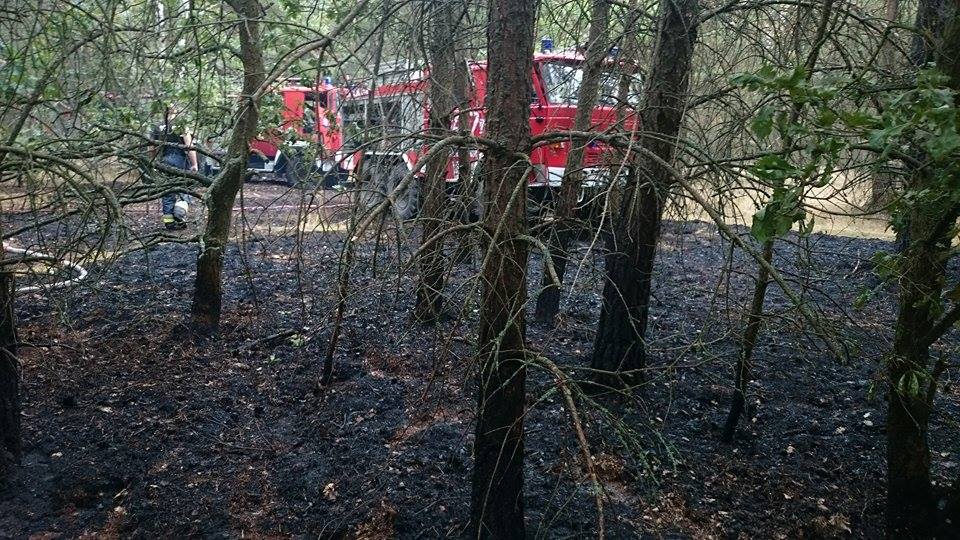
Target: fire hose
x=80, y=271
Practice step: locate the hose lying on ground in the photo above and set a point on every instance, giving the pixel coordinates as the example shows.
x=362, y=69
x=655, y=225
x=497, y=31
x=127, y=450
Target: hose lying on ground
x=81, y=271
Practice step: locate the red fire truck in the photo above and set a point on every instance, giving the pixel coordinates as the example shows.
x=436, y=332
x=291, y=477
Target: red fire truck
x=305, y=143
x=381, y=147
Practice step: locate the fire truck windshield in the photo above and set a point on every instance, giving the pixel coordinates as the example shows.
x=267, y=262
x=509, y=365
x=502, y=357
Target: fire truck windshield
x=563, y=79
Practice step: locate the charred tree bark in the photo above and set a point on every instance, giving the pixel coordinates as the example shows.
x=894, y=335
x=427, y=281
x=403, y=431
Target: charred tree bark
x=930, y=25
x=562, y=231
x=910, y=502
x=744, y=369
x=925, y=248
x=497, y=491
x=444, y=102
x=223, y=192
x=9, y=379
x=619, y=348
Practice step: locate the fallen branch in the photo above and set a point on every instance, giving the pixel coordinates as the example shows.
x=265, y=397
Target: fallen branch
x=581, y=437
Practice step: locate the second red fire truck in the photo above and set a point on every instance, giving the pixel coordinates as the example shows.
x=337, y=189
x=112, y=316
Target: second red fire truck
x=380, y=126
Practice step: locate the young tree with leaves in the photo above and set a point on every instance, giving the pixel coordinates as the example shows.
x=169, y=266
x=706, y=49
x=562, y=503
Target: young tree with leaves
x=776, y=218
x=927, y=219
x=920, y=128
x=220, y=198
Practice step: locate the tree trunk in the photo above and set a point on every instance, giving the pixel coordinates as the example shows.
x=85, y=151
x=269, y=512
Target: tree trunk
x=884, y=182
x=932, y=16
x=619, y=348
x=9, y=379
x=497, y=495
x=222, y=194
x=909, y=495
x=925, y=248
x=443, y=105
x=562, y=231
x=744, y=369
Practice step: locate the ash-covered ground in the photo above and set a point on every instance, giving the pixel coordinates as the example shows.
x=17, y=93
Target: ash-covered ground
x=133, y=428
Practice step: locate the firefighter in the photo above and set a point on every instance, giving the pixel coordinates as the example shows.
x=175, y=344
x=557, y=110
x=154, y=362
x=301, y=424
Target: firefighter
x=211, y=165
x=172, y=154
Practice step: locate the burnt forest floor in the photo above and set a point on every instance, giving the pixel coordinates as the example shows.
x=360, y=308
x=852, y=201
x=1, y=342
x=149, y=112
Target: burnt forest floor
x=132, y=428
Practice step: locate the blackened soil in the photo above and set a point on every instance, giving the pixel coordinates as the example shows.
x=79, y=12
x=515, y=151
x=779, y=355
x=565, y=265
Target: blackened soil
x=133, y=428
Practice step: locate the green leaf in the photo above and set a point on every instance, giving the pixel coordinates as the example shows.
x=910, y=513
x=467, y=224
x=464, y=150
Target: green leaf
x=795, y=79
x=778, y=215
x=746, y=80
x=297, y=340
x=762, y=124
x=880, y=138
x=858, y=119
x=909, y=384
x=943, y=145
x=826, y=117
x=865, y=296
x=775, y=169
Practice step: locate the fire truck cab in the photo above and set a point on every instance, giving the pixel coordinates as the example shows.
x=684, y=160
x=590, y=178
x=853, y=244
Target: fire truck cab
x=381, y=124
x=304, y=145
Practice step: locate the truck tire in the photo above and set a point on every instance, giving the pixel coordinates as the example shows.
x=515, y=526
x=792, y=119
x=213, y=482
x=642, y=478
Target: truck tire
x=407, y=203
x=474, y=193
x=298, y=172
x=540, y=202
x=380, y=179
x=368, y=193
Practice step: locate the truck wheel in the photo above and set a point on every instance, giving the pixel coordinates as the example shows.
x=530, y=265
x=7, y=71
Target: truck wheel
x=540, y=202
x=407, y=203
x=297, y=172
x=379, y=180
x=369, y=190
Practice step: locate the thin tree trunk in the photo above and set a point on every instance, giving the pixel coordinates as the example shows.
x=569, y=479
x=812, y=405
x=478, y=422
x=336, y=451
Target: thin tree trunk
x=497, y=490
x=884, y=182
x=619, y=349
x=562, y=231
x=443, y=105
x=751, y=332
x=9, y=378
x=222, y=194
x=10, y=406
x=744, y=369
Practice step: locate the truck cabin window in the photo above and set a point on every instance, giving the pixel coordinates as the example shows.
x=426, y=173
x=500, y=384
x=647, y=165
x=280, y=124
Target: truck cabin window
x=563, y=80
x=389, y=120
x=312, y=102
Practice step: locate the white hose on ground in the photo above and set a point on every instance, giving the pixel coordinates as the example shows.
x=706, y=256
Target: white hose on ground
x=81, y=271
